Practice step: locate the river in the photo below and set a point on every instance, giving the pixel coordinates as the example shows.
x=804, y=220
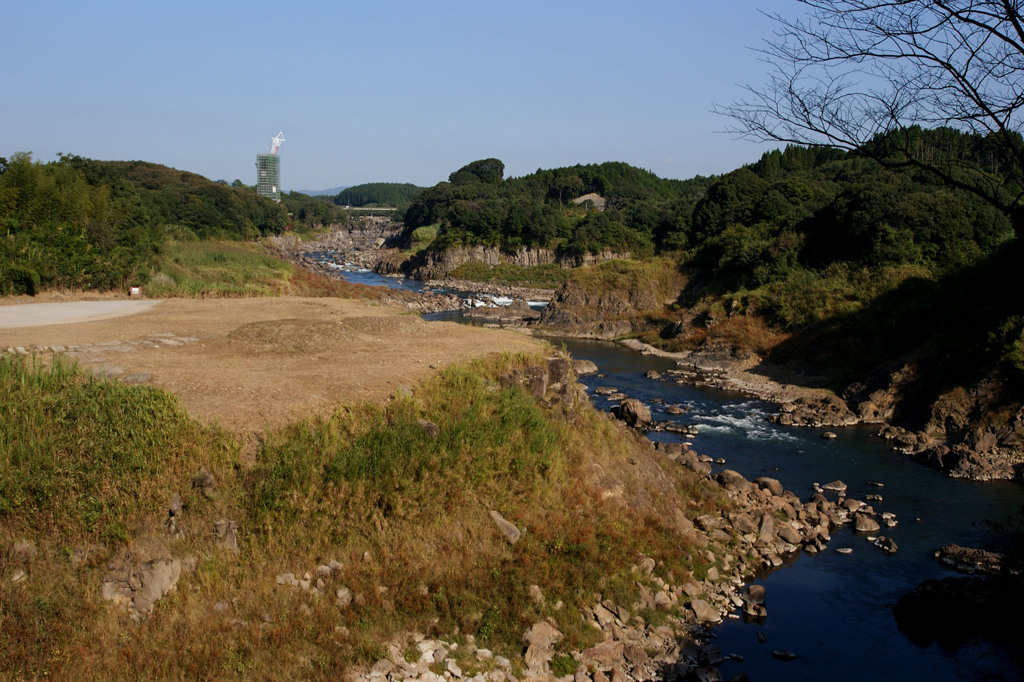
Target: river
x=832, y=609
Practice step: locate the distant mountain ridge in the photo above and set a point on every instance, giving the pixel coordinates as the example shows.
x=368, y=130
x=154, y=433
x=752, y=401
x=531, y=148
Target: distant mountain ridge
x=322, y=192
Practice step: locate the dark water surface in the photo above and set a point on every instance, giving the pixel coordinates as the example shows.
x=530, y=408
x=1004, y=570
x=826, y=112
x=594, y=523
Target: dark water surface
x=833, y=610
x=356, y=275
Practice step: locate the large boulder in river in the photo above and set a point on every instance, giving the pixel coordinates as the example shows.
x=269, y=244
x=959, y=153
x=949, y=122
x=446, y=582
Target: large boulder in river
x=704, y=612
x=633, y=412
x=971, y=560
x=835, y=487
x=772, y=485
x=865, y=524
x=584, y=367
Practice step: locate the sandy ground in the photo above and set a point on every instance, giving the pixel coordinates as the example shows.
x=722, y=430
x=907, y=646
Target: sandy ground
x=256, y=364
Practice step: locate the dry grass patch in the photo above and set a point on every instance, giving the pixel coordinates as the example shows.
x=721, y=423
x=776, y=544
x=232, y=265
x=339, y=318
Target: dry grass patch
x=403, y=506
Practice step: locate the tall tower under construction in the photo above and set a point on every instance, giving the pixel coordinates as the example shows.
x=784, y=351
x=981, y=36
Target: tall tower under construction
x=268, y=170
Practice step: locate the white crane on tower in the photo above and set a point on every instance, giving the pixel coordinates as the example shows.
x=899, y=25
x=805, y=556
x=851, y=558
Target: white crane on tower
x=275, y=143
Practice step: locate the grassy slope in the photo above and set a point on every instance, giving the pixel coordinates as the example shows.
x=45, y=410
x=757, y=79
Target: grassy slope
x=88, y=468
x=214, y=269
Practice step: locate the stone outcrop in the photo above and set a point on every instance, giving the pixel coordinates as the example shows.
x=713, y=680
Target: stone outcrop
x=439, y=264
x=139, y=588
x=540, y=641
x=974, y=431
x=553, y=383
x=633, y=412
x=517, y=312
x=507, y=529
x=826, y=409
x=973, y=560
x=598, y=313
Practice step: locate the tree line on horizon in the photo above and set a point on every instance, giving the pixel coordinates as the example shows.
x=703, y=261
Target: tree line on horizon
x=374, y=194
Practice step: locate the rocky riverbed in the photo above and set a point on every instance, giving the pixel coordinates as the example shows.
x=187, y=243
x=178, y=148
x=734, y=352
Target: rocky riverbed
x=984, y=455
x=367, y=244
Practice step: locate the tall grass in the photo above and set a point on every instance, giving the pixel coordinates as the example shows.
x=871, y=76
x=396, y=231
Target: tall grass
x=217, y=269
x=82, y=456
x=489, y=442
x=210, y=269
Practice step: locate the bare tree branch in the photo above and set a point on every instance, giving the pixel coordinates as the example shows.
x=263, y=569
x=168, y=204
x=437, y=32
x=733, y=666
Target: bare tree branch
x=851, y=72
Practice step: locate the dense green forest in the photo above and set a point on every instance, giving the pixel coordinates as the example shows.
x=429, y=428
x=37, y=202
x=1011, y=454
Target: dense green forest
x=797, y=214
x=814, y=241
x=477, y=206
x=81, y=223
x=798, y=207
x=377, y=194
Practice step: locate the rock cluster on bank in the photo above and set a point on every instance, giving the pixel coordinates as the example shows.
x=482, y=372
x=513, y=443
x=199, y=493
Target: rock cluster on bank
x=764, y=523
x=955, y=439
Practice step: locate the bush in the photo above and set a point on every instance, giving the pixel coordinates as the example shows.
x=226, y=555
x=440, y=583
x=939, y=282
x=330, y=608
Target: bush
x=1009, y=341
x=83, y=456
x=18, y=279
x=425, y=234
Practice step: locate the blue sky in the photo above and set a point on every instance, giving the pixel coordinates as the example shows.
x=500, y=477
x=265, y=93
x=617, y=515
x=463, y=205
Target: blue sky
x=381, y=90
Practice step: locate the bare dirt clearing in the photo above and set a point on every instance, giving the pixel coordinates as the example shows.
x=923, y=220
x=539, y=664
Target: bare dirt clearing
x=256, y=364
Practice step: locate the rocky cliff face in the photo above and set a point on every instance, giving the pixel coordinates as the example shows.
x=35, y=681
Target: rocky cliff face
x=974, y=432
x=364, y=234
x=598, y=313
x=439, y=264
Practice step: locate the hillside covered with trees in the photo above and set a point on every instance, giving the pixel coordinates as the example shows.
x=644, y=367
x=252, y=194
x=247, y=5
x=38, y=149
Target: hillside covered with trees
x=391, y=194
x=477, y=206
x=852, y=258
x=81, y=223
x=793, y=220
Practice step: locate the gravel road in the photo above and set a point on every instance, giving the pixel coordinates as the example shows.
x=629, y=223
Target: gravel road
x=40, y=314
